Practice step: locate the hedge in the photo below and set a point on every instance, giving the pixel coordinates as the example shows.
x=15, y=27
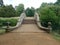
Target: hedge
x=3, y=21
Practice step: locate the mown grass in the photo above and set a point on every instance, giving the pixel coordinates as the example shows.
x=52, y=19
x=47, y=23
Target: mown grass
x=2, y=31
x=9, y=18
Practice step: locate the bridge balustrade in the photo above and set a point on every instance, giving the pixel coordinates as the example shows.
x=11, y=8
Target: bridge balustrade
x=20, y=20
x=37, y=19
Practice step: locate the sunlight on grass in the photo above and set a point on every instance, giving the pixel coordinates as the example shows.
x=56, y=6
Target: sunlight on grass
x=10, y=18
x=2, y=31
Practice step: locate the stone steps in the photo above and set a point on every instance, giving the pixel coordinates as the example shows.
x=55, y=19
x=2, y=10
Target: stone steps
x=29, y=20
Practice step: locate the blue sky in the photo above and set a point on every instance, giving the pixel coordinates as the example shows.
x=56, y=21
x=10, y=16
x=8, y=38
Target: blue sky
x=27, y=3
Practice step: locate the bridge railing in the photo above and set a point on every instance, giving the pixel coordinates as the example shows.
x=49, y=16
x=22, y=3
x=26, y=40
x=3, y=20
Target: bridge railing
x=37, y=19
x=23, y=15
x=20, y=20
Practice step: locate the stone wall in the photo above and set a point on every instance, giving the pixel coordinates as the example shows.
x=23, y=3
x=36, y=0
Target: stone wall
x=37, y=19
x=20, y=20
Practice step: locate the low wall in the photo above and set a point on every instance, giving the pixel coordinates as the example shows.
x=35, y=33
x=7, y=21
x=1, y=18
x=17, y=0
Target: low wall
x=36, y=16
x=20, y=20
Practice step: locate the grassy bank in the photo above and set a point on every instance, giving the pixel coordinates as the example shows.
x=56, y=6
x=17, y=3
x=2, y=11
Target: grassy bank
x=2, y=31
x=56, y=36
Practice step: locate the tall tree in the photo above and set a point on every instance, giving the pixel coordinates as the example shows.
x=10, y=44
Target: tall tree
x=7, y=11
x=30, y=12
x=20, y=9
x=58, y=2
x=1, y=2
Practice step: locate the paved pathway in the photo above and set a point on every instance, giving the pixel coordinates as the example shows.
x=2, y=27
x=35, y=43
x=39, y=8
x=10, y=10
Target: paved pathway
x=28, y=28
x=27, y=34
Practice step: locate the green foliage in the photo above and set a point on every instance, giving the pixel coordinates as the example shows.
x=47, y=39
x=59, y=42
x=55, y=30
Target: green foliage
x=50, y=13
x=58, y=2
x=30, y=12
x=19, y=9
x=12, y=21
x=7, y=11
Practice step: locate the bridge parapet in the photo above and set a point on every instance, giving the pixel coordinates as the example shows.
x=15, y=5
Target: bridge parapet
x=37, y=19
x=22, y=16
x=20, y=20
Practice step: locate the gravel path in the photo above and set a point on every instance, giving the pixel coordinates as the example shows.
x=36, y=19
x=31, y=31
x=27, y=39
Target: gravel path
x=27, y=34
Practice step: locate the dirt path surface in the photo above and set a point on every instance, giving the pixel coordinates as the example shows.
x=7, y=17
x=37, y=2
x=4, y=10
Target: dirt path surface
x=27, y=34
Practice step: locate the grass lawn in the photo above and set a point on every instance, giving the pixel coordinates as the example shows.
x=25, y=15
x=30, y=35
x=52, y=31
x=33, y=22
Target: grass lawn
x=2, y=31
x=10, y=18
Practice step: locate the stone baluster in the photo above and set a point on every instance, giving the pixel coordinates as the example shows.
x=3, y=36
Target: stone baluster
x=49, y=27
x=7, y=28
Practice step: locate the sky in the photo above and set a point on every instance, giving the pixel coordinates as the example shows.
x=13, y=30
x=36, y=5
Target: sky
x=27, y=3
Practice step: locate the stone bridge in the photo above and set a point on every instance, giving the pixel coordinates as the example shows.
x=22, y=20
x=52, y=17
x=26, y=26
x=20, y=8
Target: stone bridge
x=28, y=31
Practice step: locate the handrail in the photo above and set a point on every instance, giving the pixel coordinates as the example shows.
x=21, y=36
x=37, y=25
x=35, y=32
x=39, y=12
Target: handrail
x=20, y=20
x=37, y=19
x=22, y=16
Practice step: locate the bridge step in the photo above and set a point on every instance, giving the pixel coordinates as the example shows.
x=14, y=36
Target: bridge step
x=29, y=20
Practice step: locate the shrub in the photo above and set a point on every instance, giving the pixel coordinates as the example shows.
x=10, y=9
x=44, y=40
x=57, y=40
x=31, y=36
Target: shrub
x=12, y=21
x=50, y=13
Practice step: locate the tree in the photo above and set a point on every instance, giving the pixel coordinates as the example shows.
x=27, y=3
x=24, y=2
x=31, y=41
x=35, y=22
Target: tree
x=7, y=11
x=1, y=2
x=10, y=11
x=44, y=4
x=19, y=9
x=58, y=2
x=33, y=10
x=50, y=13
x=30, y=12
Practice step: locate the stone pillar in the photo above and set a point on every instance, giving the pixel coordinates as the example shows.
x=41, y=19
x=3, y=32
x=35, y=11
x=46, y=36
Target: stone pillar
x=49, y=26
x=7, y=28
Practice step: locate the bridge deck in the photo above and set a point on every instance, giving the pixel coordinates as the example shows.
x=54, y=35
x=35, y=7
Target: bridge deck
x=27, y=28
x=27, y=34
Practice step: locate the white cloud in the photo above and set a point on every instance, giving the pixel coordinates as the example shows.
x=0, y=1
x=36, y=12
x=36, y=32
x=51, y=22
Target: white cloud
x=27, y=3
